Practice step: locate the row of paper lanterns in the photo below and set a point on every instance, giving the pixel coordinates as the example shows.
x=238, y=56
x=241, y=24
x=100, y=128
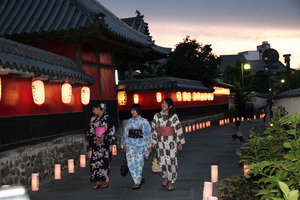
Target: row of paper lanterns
x=38, y=93
x=227, y=121
x=71, y=169
x=180, y=96
x=197, y=126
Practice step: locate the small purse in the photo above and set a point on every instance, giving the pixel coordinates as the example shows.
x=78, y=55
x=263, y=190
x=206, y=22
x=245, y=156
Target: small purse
x=155, y=165
x=124, y=168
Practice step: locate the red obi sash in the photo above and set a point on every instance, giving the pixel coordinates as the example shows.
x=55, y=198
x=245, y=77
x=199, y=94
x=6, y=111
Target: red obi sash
x=165, y=131
x=100, y=131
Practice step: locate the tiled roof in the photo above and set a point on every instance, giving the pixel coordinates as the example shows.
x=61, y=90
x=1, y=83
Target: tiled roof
x=43, y=17
x=290, y=93
x=164, y=83
x=22, y=59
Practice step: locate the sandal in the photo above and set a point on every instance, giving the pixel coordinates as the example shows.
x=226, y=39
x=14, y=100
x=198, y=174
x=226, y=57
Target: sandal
x=170, y=187
x=96, y=186
x=142, y=181
x=165, y=182
x=135, y=187
x=104, y=185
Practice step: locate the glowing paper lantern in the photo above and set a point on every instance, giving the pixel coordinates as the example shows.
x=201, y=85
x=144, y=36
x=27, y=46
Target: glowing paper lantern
x=246, y=171
x=82, y=161
x=194, y=128
x=186, y=129
x=233, y=120
x=178, y=96
x=194, y=95
x=190, y=128
x=197, y=126
x=35, y=182
x=114, y=149
x=198, y=96
x=57, y=171
x=38, y=92
x=85, y=95
x=201, y=96
x=122, y=98
x=184, y=96
x=189, y=96
x=242, y=119
x=214, y=173
x=71, y=166
x=205, y=96
x=203, y=124
x=207, y=190
x=254, y=117
x=122, y=146
x=200, y=125
x=158, y=97
x=136, y=98
x=66, y=93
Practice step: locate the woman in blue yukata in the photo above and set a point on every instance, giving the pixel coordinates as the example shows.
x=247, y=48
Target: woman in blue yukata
x=136, y=141
x=101, y=136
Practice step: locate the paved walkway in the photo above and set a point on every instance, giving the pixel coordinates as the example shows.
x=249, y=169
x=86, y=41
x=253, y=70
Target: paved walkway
x=203, y=148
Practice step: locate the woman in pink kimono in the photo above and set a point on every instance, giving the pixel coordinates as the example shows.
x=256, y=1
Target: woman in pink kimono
x=167, y=137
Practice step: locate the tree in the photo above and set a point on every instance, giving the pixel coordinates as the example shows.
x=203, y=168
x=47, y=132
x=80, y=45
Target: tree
x=192, y=60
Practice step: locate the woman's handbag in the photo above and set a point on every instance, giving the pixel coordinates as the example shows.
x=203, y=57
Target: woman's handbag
x=124, y=168
x=155, y=165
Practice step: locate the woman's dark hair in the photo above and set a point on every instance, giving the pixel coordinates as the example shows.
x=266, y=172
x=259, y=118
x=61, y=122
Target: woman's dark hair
x=170, y=102
x=96, y=104
x=136, y=107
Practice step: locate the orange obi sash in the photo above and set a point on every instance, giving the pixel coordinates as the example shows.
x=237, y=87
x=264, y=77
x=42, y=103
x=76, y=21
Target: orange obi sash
x=165, y=131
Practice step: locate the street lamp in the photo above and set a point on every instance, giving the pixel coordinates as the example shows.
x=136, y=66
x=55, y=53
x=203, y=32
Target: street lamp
x=244, y=66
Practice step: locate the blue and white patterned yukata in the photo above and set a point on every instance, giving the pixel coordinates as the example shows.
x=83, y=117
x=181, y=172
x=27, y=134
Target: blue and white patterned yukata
x=136, y=148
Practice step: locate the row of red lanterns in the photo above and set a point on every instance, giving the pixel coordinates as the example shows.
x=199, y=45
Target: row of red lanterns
x=38, y=93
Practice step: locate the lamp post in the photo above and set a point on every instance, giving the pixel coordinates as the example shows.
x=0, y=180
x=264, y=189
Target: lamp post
x=244, y=66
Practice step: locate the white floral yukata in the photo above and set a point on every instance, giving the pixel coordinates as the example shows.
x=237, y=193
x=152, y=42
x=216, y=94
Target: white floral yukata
x=136, y=148
x=167, y=145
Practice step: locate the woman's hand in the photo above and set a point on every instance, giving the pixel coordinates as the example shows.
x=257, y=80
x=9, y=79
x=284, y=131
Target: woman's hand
x=179, y=147
x=153, y=146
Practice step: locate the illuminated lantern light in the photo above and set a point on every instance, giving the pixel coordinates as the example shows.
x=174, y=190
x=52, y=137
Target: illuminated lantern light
x=189, y=96
x=206, y=123
x=209, y=124
x=200, y=125
x=184, y=96
x=201, y=96
x=178, y=96
x=190, y=128
x=85, y=95
x=242, y=119
x=122, y=98
x=210, y=96
x=186, y=129
x=38, y=92
x=35, y=182
x=57, y=171
x=238, y=119
x=66, y=93
x=233, y=120
x=122, y=146
x=248, y=119
x=207, y=190
x=203, y=125
x=158, y=97
x=205, y=96
x=214, y=173
x=194, y=95
x=82, y=161
x=194, y=128
x=197, y=126
x=220, y=123
x=90, y=154
x=136, y=98
x=198, y=96
x=246, y=171
x=71, y=166
x=114, y=150
x=228, y=120
x=254, y=117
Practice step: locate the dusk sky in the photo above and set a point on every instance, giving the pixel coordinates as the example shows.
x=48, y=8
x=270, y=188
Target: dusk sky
x=230, y=26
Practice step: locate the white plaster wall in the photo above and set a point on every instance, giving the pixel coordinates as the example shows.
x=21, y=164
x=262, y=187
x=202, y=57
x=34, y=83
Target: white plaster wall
x=291, y=105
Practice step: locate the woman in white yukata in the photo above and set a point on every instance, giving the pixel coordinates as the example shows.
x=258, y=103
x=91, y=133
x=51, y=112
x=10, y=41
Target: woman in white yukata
x=136, y=141
x=167, y=137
